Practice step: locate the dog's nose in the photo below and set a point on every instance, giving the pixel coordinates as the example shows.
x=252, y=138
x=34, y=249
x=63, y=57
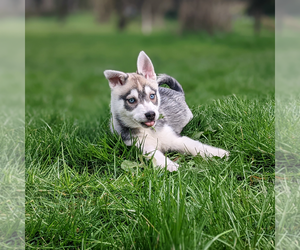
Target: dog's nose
x=150, y=115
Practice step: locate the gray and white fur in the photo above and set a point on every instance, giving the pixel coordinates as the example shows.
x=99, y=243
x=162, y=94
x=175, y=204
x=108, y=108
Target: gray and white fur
x=173, y=108
x=153, y=115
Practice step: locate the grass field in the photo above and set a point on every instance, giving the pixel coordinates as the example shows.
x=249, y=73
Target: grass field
x=12, y=183
x=12, y=134
x=86, y=190
x=287, y=192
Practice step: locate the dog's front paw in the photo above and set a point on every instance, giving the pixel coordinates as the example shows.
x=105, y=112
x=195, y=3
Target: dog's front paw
x=211, y=152
x=223, y=153
x=172, y=166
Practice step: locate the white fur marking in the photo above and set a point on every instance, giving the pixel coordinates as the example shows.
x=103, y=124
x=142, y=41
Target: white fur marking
x=133, y=93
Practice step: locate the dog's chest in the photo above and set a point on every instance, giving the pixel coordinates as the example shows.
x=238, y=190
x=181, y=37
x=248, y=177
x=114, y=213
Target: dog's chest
x=160, y=138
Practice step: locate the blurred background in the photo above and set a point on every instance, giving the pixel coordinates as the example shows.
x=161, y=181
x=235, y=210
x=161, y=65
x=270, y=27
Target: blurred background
x=192, y=15
x=213, y=48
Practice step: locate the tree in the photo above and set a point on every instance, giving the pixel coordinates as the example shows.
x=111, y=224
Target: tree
x=152, y=12
x=62, y=9
x=257, y=8
x=206, y=15
x=103, y=10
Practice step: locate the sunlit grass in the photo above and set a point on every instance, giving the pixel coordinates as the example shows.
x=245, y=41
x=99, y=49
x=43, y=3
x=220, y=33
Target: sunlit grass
x=77, y=191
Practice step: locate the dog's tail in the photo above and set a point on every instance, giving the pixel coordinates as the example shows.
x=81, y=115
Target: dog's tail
x=170, y=81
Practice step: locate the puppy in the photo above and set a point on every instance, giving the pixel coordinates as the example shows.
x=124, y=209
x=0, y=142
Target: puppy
x=153, y=115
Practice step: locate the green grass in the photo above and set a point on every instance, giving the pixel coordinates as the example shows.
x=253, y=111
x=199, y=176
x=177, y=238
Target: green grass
x=12, y=184
x=287, y=137
x=12, y=135
x=287, y=171
x=86, y=190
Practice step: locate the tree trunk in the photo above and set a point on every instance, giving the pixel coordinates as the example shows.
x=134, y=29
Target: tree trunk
x=62, y=7
x=147, y=18
x=38, y=4
x=257, y=21
x=119, y=6
x=102, y=10
x=204, y=15
x=159, y=8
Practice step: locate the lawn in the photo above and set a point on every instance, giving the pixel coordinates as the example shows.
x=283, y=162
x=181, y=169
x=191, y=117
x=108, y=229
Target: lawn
x=287, y=139
x=86, y=190
x=12, y=133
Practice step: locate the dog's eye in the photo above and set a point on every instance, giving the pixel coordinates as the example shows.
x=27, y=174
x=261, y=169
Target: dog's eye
x=131, y=100
x=152, y=96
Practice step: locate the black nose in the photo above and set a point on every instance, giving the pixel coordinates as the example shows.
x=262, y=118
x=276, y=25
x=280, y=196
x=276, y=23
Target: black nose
x=150, y=115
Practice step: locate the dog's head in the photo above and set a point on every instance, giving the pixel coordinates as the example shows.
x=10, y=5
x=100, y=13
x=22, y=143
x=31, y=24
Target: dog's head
x=135, y=98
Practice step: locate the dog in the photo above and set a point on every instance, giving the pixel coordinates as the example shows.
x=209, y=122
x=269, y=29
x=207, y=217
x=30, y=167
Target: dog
x=153, y=115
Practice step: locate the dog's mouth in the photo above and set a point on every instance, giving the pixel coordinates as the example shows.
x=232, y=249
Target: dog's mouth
x=149, y=123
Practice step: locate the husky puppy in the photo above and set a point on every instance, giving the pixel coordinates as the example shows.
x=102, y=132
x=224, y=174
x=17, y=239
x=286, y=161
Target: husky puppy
x=153, y=115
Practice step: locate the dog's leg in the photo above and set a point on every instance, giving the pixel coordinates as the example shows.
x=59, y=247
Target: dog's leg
x=161, y=159
x=187, y=145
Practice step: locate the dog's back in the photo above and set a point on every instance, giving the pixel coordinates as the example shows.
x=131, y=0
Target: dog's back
x=173, y=107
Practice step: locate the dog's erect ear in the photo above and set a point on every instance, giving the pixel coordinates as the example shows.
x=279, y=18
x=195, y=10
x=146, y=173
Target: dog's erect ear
x=145, y=66
x=115, y=77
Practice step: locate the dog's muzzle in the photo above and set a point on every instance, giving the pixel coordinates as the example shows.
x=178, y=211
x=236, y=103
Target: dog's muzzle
x=151, y=119
x=150, y=116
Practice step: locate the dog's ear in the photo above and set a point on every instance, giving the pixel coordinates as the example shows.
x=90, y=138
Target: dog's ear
x=115, y=77
x=145, y=66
